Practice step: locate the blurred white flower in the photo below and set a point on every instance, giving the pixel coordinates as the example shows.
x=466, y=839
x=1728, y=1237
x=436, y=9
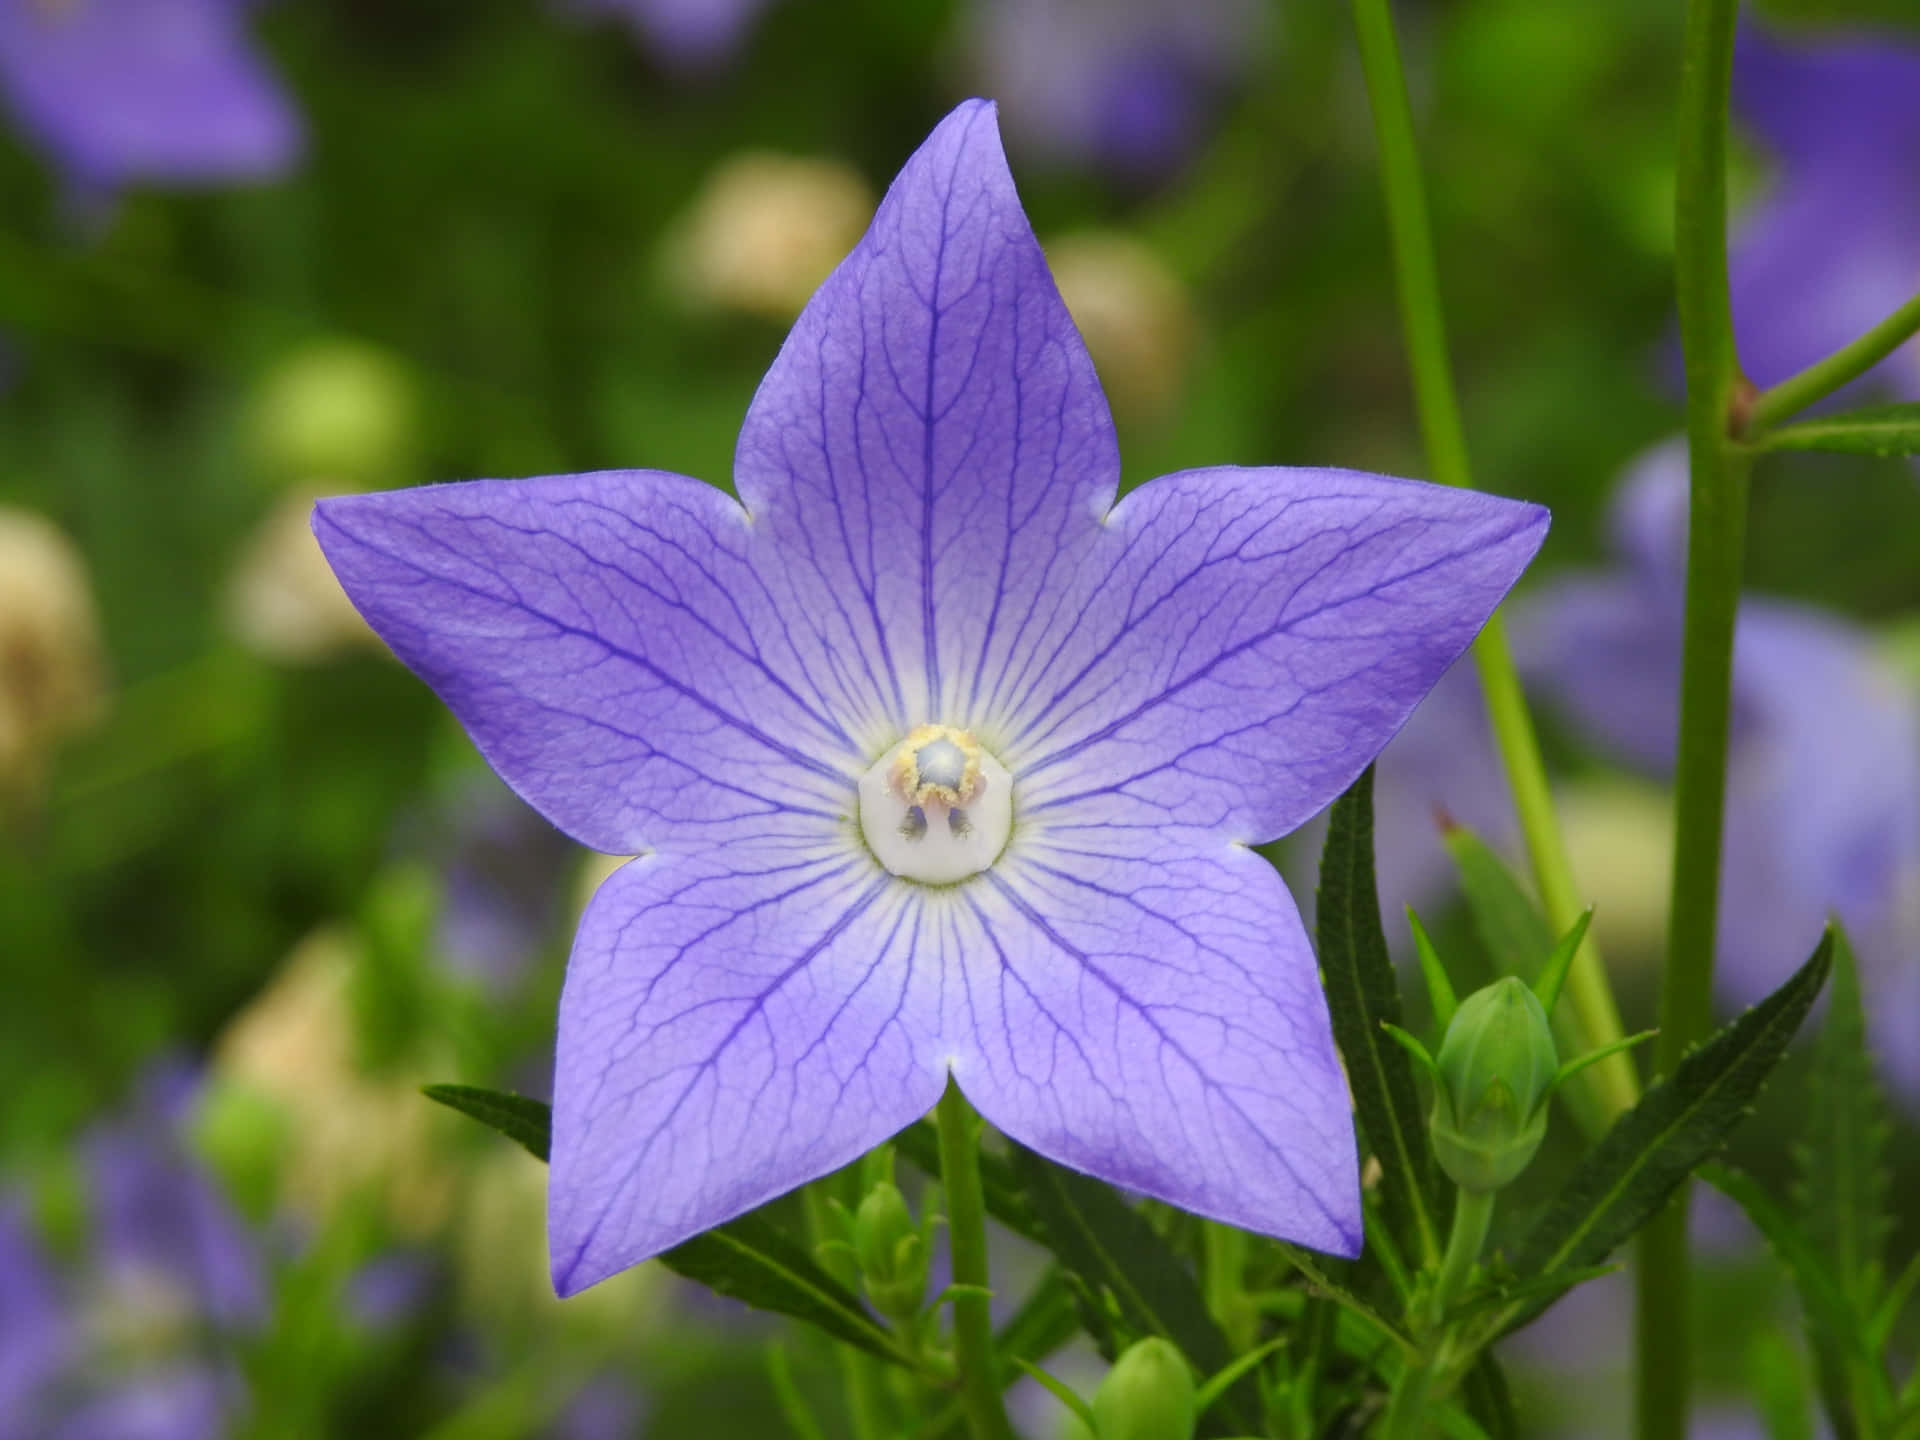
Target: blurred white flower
x=51, y=680
x=282, y=601
x=764, y=231
x=350, y=1133
x=1133, y=313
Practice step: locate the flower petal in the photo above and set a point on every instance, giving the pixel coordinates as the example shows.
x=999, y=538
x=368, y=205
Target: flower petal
x=122, y=90
x=1245, y=641
x=931, y=450
x=607, y=642
x=735, y=1022
x=1144, y=1006
x=1605, y=651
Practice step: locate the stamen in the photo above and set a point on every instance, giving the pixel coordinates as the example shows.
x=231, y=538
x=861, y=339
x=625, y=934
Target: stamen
x=937, y=772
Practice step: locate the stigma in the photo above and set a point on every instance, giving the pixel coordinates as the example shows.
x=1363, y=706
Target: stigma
x=936, y=807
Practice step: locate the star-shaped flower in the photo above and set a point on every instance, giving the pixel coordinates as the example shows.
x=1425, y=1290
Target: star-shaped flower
x=1833, y=248
x=941, y=761
x=129, y=91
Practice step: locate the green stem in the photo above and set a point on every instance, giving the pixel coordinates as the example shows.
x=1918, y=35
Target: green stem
x=1612, y=1085
x=1715, y=551
x=1472, y=1217
x=860, y=1377
x=1816, y=382
x=1225, y=1274
x=967, y=1233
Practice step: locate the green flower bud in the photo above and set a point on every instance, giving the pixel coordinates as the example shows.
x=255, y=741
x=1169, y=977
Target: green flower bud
x=1147, y=1395
x=335, y=411
x=892, y=1252
x=1495, y=1073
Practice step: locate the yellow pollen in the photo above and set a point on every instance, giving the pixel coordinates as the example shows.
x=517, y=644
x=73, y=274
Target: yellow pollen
x=939, y=767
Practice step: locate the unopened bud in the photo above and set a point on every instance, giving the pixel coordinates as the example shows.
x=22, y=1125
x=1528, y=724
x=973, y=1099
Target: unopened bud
x=892, y=1252
x=1147, y=1395
x=339, y=409
x=1495, y=1072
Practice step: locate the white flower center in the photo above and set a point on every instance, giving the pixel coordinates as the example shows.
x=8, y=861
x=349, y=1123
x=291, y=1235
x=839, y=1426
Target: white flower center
x=936, y=807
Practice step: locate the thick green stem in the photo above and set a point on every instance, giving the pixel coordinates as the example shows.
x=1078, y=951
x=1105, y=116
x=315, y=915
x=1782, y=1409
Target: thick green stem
x=1226, y=1273
x=860, y=1377
x=1612, y=1086
x=1715, y=551
x=1819, y=380
x=967, y=1234
x=1472, y=1217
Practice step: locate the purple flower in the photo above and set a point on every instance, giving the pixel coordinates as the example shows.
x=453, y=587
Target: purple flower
x=1129, y=86
x=132, y=1347
x=699, y=34
x=1823, y=787
x=941, y=761
x=1833, y=248
x=126, y=91
x=504, y=883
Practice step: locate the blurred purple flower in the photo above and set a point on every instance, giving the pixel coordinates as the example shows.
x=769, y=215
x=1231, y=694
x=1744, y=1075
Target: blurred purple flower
x=1823, y=787
x=607, y=1407
x=120, y=92
x=133, y=1347
x=925, y=604
x=1833, y=247
x=696, y=34
x=504, y=884
x=1127, y=85
x=1441, y=767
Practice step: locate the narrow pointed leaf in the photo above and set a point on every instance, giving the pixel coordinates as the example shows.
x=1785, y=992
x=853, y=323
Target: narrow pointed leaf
x=1361, y=993
x=1060, y=1391
x=1574, y=1067
x=1553, y=974
x=749, y=1259
x=1322, y=1285
x=1678, y=1123
x=1842, y=1194
x=1518, y=939
x=1217, y=1385
x=1409, y=1044
x=1439, y=986
x=1833, y=1327
x=530, y=1122
x=1123, y=1262
x=1047, y=1319
x=1876, y=430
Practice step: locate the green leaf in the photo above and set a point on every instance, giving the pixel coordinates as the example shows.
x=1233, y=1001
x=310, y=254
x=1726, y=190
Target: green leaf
x=515, y=1116
x=1519, y=940
x=1361, y=993
x=1006, y=1202
x=1488, y=1401
x=1876, y=430
x=1135, y=1284
x=752, y=1260
x=1843, y=1184
x=1830, y=1322
x=1319, y=1283
x=1678, y=1123
x=749, y=1259
x=1047, y=1319
x=1439, y=985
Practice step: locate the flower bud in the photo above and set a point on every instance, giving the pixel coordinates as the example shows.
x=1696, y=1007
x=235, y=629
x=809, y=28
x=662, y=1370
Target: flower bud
x=764, y=231
x=892, y=1252
x=1495, y=1073
x=339, y=409
x=1147, y=1395
x=50, y=664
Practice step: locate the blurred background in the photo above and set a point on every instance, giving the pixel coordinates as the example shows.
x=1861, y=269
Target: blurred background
x=255, y=886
